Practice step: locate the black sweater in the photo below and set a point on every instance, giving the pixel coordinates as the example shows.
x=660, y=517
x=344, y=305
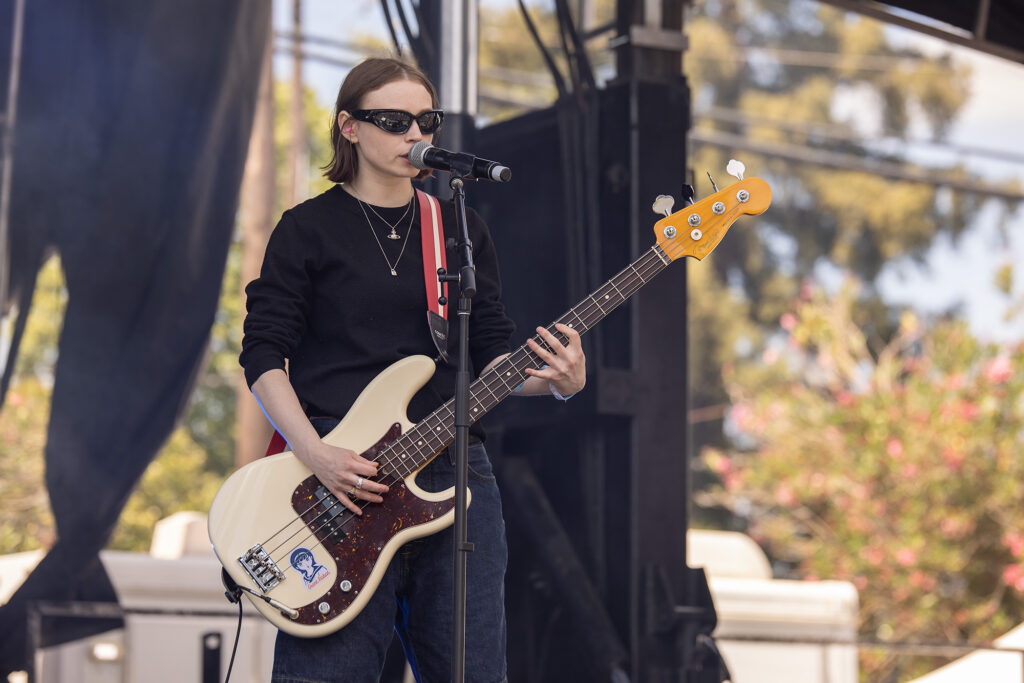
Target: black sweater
x=326, y=301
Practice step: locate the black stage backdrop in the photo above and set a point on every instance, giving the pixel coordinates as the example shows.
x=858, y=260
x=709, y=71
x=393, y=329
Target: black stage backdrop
x=132, y=131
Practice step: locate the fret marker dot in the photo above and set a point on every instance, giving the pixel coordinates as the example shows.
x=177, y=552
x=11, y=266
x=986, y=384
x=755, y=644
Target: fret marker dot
x=419, y=443
x=606, y=296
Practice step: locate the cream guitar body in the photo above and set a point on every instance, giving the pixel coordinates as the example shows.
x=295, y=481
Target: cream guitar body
x=273, y=508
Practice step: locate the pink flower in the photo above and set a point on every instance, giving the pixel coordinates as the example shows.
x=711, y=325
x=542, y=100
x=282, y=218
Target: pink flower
x=785, y=496
x=906, y=557
x=894, y=448
x=770, y=356
x=951, y=528
x=953, y=458
x=968, y=410
x=860, y=582
x=844, y=398
x=909, y=470
x=873, y=555
x=999, y=369
x=1013, y=576
x=721, y=465
x=953, y=382
x=14, y=398
x=919, y=579
x=788, y=321
x=742, y=415
x=1015, y=542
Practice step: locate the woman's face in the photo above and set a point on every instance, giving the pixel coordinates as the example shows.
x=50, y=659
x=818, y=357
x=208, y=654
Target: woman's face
x=383, y=154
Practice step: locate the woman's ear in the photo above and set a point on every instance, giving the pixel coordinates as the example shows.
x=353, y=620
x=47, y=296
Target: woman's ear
x=347, y=125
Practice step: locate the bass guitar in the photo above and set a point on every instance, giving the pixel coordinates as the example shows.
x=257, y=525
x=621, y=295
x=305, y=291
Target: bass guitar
x=309, y=564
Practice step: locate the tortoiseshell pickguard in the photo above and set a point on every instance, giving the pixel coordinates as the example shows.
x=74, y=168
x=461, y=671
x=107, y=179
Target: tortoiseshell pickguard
x=357, y=542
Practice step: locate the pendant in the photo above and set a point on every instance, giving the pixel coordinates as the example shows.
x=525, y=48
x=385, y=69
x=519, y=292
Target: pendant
x=393, y=272
x=394, y=235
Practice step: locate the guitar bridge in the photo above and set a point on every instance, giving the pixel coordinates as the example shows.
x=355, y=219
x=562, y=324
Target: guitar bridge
x=261, y=568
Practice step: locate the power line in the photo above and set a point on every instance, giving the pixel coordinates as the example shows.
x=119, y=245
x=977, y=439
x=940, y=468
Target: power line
x=840, y=132
x=829, y=159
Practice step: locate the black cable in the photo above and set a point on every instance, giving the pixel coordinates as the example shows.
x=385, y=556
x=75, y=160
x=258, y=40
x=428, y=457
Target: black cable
x=416, y=42
x=570, y=57
x=391, y=26
x=584, y=70
x=234, y=648
x=552, y=67
x=426, y=44
x=233, y=594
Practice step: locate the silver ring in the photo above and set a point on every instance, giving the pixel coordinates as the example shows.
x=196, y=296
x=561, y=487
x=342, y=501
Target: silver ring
x=359, y=483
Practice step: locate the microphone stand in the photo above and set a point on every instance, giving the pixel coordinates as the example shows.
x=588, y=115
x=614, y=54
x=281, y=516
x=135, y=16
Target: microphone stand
x=462, y=168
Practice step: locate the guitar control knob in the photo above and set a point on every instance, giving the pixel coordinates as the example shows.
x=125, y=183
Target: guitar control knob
x=345, y=585
x=324, y=607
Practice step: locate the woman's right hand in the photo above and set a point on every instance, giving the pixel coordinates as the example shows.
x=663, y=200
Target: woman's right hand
x=347, y=475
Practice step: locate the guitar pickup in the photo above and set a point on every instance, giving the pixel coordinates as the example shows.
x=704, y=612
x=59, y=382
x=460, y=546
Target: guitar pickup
x=261, y=568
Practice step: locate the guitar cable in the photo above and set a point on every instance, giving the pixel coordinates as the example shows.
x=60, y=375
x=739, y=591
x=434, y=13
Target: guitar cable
x=234, y=595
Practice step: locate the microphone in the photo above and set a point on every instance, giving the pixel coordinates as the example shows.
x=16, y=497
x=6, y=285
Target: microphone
x=424, y=155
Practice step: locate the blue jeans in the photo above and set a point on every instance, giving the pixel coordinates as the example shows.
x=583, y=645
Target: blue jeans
x=415, y=599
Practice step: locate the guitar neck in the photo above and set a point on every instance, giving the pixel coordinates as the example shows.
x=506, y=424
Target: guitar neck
x=420, y=444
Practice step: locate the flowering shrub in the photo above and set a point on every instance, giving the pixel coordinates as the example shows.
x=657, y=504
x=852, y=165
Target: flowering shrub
x=899, y=469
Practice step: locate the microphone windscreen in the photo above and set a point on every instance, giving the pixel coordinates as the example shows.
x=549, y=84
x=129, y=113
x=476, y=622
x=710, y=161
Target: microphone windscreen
x=417, y=152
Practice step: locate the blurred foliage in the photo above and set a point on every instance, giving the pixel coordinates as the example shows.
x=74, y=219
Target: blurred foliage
x=890, y=464
x=26, y=522
x=808, y=76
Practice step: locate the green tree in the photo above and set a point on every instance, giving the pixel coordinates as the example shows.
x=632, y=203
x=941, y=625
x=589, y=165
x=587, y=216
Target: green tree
x=894, y=465
x=778, y=73
x=27, y=523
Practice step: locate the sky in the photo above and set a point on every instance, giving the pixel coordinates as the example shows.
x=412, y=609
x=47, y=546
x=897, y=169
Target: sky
x=953, y=275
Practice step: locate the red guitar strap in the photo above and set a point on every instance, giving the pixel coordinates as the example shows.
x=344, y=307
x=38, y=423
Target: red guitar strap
x=432, y=239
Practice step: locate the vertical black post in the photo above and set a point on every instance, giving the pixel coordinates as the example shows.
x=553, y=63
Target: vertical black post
x=210, y=642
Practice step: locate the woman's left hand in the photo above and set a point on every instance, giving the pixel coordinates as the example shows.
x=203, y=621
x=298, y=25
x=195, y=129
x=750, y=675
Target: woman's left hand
x=567, y=366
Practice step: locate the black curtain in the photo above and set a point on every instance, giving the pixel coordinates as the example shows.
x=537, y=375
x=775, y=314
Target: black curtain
x=133, y=126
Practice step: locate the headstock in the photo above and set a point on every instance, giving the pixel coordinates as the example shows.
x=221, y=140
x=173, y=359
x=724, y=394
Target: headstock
x=697, y=229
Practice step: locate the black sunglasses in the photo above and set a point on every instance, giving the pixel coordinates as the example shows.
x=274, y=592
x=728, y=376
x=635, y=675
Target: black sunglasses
x=398, y=121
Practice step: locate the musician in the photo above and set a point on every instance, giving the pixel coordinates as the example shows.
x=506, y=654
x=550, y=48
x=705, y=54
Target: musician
x=340, y=297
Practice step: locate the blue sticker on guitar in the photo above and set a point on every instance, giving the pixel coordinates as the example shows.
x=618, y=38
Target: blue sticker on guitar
x=305, y=563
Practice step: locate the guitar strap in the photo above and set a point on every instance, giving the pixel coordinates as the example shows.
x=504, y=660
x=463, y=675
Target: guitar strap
x=432, y=242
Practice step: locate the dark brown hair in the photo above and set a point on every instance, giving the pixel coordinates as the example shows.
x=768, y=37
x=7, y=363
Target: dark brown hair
x=362, y=79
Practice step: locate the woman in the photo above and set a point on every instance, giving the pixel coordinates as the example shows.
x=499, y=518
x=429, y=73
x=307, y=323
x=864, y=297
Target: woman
x=341, y=297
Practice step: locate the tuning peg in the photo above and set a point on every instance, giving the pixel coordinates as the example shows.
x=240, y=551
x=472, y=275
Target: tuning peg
x=712, y=181
x=663, y=204
x=736, y=168
x=688, y=194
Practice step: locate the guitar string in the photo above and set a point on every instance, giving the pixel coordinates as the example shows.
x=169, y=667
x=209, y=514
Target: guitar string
x=483, y=382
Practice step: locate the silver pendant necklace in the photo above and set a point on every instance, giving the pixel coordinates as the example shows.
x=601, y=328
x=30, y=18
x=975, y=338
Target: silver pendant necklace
x=393, y=235
x=391, y=266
